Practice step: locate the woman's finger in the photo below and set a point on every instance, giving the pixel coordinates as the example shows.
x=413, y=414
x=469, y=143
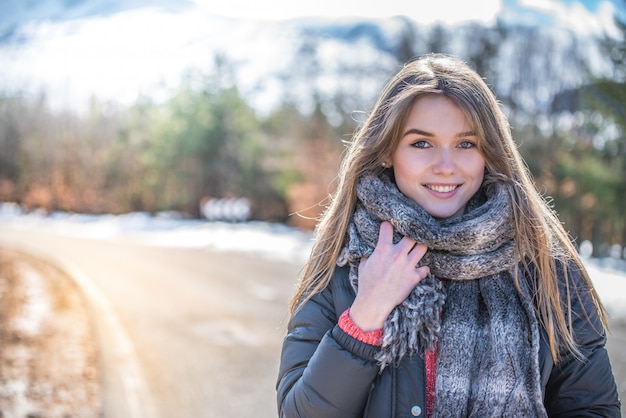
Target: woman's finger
x=417, y=252
x=385, y=237
x=385, y=233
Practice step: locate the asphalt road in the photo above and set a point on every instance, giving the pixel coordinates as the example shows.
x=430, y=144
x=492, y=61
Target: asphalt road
x=182, y=332
x=189, y=332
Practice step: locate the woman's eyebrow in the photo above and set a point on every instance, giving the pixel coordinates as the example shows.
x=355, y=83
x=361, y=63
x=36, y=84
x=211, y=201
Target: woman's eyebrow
x=418, y=132
x=429, y=134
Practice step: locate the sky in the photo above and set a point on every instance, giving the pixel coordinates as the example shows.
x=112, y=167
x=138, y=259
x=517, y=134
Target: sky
x=581, y=15
x=584, y=16
x=572, y=12
x=120, y=49
x=450, y=11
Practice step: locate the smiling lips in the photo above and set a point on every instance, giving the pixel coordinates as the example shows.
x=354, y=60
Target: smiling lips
x=442, y=188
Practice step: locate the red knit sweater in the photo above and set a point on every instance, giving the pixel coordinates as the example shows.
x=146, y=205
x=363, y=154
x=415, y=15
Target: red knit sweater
x=374, y=337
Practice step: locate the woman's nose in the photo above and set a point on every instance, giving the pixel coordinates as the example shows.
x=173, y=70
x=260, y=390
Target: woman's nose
x=444, y=163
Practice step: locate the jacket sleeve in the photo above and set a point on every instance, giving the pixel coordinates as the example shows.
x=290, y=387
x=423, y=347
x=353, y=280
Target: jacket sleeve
x=323, y=371
x=583, y=387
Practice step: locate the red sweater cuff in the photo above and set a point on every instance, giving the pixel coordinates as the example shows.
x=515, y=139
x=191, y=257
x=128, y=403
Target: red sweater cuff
x=349, y=327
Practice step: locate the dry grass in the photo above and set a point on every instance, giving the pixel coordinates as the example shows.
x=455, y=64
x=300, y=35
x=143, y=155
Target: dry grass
x=48, y=358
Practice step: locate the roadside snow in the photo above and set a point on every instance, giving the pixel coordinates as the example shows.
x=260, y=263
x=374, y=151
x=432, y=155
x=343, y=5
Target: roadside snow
x=610, y=284
x=275, y=241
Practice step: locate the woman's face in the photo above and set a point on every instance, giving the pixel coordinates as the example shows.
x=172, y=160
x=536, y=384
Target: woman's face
x=437, y=163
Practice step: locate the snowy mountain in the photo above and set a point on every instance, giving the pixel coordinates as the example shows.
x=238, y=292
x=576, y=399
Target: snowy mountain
x=120, y=50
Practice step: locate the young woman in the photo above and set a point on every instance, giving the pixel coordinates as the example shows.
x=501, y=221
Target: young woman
x=440, y=283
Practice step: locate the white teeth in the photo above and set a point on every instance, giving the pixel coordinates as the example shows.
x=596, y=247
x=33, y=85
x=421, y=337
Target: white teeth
x=442, y=189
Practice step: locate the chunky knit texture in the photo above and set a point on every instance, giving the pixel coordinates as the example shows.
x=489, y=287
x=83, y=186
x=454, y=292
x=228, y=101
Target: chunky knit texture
x=487, y=333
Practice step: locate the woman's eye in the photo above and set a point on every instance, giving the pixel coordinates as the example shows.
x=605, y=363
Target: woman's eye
x=467, y=144
x=420, y=144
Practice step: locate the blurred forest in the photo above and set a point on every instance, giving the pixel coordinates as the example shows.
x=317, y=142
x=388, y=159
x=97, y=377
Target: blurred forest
x=206, y=141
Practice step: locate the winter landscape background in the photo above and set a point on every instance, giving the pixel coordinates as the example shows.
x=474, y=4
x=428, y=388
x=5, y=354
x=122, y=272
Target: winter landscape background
x=162, y=164
x=118, y=107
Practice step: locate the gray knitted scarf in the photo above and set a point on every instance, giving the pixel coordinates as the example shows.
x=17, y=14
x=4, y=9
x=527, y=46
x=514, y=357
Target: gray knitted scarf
x=487, y=333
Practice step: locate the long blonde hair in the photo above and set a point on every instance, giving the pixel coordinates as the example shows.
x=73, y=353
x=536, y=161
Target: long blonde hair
x=541, y=240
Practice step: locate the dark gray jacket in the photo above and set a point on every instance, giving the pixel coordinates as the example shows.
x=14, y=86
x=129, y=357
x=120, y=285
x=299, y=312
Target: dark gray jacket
x=326, y=373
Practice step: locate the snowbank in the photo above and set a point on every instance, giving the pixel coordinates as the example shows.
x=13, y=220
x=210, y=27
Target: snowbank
x=272, y=240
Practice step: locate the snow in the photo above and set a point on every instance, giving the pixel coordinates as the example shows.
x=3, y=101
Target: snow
x=146, y=51
x=275, y=241
x=610, y=283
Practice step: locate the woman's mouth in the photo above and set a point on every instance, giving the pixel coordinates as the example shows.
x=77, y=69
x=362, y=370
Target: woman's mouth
x=442, y=188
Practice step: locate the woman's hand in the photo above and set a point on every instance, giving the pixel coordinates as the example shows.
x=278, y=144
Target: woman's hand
x=386, y=278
